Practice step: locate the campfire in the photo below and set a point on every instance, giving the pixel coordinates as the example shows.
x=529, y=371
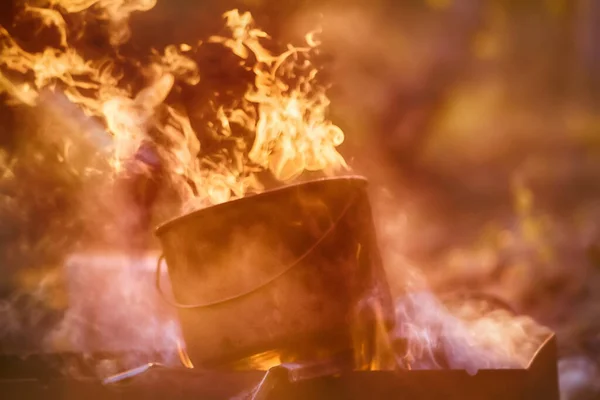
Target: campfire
x=275, y=285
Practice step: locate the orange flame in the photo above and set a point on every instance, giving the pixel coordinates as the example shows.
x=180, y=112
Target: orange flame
x=292, y=132
x=183, y=355
x=259, y=362
x=286, y=121
x=285, y=115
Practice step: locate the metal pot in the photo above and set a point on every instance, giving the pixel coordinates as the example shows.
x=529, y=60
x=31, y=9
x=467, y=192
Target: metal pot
x=287, y=270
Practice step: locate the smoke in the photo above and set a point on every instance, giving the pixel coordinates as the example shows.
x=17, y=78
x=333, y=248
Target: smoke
x=434, y=332
x=115, y=309
x=438, y=328
x=82, y=281
x=469, y=337
x=457, y=220
x=576, y=374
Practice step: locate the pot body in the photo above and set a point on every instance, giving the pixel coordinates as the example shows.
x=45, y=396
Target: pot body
x=285, y=270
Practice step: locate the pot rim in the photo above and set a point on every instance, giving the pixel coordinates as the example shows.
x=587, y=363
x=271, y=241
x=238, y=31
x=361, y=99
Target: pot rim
x=231, y=203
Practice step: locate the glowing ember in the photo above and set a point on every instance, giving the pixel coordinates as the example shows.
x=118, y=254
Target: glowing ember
x=261, y=362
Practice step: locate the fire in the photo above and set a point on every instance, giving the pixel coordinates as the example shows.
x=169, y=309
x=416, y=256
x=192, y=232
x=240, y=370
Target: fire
x=283, y=113
x=260, y=362
x=183, y=355
x=292, y=133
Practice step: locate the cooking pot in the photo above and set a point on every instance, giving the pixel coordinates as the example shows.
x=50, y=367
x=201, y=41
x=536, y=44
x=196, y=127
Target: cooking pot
x=288, y=270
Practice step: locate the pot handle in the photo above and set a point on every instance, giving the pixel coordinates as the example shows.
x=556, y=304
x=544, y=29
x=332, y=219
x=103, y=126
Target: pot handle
x=260, y=285
x=173, y=303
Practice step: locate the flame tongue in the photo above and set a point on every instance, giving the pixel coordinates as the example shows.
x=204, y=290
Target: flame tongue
x=282, y=115
x=292, y=133
x=116, y=12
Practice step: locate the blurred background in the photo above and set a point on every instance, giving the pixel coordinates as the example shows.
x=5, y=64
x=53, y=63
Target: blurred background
x=476, y=121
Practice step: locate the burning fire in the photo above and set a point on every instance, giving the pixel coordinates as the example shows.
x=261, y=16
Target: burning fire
x=283, y=117
x=283, y=113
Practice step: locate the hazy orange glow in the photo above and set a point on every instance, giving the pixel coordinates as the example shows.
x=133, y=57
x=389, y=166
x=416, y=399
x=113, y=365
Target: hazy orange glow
x=284, y=113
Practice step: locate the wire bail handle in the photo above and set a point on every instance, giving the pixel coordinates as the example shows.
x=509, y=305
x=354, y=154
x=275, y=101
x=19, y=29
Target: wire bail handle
x=316, y=244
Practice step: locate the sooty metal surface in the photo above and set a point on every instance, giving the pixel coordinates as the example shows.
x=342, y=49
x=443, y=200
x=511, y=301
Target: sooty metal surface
x=37, y=378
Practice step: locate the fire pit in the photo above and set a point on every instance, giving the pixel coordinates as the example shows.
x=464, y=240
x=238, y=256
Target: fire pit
x=38, y=377
x=286, y=270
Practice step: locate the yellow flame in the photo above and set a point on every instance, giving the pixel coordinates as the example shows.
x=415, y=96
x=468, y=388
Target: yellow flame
x=292, y=133
x=258, y=362
x=284, y=113
x=183, y=355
